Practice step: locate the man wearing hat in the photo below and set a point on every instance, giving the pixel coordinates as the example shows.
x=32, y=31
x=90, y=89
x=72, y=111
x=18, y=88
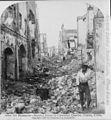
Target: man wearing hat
x=83, y=76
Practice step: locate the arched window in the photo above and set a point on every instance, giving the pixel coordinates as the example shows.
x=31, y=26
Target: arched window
x=31, y=17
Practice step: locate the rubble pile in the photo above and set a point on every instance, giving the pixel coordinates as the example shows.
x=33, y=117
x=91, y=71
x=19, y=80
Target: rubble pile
x=64, y=97
x=72, y=67
x=56, y=95
x=66, y=94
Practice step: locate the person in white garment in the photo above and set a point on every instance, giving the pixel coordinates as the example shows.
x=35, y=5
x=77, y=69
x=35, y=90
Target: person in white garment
x=83, y=76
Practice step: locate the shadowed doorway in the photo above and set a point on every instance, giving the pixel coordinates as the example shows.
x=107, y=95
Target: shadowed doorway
x=8, y=64
x=22, y=61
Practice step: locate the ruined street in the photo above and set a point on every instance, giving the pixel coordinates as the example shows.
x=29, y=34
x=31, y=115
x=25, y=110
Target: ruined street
x=51, y=62
x=49, y=92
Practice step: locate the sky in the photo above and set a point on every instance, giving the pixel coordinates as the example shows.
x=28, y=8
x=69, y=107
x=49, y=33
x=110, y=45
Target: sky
x=52, y=14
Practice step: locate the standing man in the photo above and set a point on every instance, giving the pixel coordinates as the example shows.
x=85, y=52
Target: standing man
x=83, y=76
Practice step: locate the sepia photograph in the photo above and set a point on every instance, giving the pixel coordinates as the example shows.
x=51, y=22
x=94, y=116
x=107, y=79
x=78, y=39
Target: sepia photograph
x=53, y=57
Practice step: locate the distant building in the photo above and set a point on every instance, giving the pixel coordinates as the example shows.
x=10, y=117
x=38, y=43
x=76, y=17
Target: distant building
x=67, y=40
x=19, y=39
x=43, y=42
x=52, y=51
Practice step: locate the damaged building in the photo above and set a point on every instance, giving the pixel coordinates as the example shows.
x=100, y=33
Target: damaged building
x=91, y=41
x=42, y=79
x=43, y=43
x=19, y=39
x=52, y=51
x=67, y=41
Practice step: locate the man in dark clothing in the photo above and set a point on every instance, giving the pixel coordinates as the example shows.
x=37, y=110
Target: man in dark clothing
x=83, y=76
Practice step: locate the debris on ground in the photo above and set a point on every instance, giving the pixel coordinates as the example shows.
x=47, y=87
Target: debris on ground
x=51, y=90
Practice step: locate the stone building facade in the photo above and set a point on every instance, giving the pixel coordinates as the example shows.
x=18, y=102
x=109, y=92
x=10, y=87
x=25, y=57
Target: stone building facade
x=19, y=39
x=43, y=43
x=52, y=51
x=67, y=40
x=91, y=39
